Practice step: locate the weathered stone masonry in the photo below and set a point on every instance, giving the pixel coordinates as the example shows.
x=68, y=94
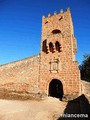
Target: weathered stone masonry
x=54, y=71
x=21, y=75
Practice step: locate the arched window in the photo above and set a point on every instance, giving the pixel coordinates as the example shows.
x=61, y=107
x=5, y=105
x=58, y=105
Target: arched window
x=58, y=46
x=51, y=47
x=44, y=46
x=56, y=31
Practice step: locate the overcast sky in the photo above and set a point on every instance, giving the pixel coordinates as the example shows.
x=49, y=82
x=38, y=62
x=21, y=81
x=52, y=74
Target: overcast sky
x=20, y=26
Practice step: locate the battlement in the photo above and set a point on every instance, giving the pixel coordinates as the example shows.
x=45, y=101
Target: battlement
x=55, y=13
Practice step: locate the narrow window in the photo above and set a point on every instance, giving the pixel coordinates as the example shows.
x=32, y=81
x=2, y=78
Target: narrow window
x=60, y=18
x=51, y=47
x=44, y=46
x=58, y=46
x=46, y=22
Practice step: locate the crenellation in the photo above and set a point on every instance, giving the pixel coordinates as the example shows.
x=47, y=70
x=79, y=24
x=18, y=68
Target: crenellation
x=61, y=11
x=55, y=13
x=49, y=15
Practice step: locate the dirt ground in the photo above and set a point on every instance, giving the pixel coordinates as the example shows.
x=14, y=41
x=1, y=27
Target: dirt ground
x=47, y=109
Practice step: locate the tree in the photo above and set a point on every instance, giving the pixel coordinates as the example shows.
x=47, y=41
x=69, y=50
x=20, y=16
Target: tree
x=85, y=68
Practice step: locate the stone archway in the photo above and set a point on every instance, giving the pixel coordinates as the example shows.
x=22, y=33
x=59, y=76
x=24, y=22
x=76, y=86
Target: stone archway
x=56, y=89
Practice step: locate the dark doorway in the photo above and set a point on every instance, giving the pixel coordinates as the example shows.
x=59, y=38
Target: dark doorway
x=56, y=89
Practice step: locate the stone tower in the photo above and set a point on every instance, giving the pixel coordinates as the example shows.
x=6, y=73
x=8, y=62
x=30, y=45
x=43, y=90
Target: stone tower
x=59, y=73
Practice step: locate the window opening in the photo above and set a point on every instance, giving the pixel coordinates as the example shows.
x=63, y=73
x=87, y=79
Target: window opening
x=58, y=46
x=56, y=31
x=44, y=46
x=51, y=48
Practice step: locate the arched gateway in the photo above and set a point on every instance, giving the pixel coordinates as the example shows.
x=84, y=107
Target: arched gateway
x=56, y=88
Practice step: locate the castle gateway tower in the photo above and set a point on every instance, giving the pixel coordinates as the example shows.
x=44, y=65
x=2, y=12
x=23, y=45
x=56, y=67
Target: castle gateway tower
x=59, y=73
x=54, y=72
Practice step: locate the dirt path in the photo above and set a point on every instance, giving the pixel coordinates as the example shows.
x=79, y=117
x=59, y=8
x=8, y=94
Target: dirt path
x=31, y=110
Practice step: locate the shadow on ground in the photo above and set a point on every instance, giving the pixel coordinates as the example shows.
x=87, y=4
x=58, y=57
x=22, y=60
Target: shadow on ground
x=77, y=109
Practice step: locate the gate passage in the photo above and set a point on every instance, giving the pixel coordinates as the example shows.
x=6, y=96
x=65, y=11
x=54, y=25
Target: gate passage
x=56, y=89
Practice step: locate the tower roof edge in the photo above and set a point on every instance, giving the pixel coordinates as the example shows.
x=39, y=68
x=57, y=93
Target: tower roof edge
x=55, y=13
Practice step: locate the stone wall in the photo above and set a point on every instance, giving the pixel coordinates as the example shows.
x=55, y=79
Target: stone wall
x=85, y=89
x=21, y=75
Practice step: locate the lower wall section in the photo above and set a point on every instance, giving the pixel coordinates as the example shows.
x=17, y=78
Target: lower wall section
x=15, y=87
x=19, y=95
x=25, y=77
x=21, y=76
